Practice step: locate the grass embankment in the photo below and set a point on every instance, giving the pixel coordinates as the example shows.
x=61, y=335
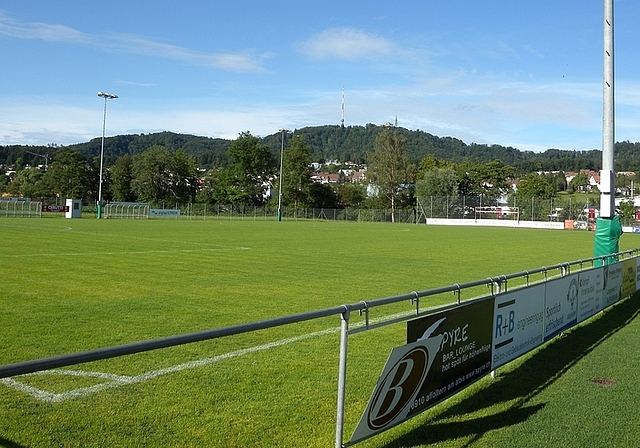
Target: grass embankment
x=75, y=285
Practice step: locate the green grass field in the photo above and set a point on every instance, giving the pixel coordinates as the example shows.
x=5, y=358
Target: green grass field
x=73, y=285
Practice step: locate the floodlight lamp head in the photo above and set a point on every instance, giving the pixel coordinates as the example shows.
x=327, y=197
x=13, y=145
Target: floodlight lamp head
x=105, y=95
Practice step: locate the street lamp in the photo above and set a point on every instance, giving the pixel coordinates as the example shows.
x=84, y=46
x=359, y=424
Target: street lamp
x=279, y=215
x=106, y=96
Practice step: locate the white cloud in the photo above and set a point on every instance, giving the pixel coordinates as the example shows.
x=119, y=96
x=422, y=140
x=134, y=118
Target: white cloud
x=42, y=31
x=346, y=44
x=234, y=62
x=128, y=43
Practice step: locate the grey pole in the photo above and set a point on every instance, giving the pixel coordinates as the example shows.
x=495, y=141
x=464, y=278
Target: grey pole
x=342, y=376
x=607, y=178
x=279, y=215
x=106, y=96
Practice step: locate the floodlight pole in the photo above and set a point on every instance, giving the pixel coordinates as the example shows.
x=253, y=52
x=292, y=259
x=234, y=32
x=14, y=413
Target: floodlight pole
x=279, y=214
x=608, y=224
x=106, y=96
x=607, y=174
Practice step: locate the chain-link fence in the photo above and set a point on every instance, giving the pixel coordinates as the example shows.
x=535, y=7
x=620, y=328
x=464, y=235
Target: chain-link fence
x=451, y=207
x=511, y=207
x=207, y=211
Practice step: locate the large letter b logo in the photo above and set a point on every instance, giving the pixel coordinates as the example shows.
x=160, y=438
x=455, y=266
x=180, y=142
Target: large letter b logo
x=398, y=387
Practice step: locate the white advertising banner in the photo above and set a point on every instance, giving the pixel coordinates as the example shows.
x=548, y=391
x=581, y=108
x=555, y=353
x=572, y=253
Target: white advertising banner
x=160, y=212
x=561, y=305
x=611, y=284
x=518, y=323
x=590, y=284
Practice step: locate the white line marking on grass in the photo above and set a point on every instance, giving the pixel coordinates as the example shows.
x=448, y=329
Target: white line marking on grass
x=123, y=380
x=139, y=252
x=21, y=226
x=120, y=237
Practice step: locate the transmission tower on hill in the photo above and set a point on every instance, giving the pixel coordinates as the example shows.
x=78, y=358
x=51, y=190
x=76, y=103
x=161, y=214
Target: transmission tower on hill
x=342, y=115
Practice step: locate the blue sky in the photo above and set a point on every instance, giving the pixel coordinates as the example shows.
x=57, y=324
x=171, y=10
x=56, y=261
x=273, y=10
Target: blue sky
x=511, y=72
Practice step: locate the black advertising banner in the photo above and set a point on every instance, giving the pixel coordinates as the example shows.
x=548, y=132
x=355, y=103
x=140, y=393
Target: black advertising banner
x=446, y=352
x=465, y=351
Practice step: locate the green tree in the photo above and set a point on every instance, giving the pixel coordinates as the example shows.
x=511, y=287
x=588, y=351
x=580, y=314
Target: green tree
x=297, y=172
x=248, y=176
x=430, y=162
x=121, y=179
x=489, y=178
x=438, y=182
x=209, y=191
x=350, y=194
x=26, y=183
x=69, y=176
x=579, y=182
x=152, y=175
x=390, y=169
x=536, y=186
x=494, y=177
x=185, y=176
x=628, y=212
x=560, y=181
x=4, y=180
x=323, y=196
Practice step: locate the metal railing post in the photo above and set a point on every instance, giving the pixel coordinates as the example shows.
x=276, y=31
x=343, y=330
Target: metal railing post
x=342, y=376
x=498, y=291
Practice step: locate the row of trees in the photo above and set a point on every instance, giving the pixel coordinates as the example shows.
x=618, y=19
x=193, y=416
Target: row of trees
x=159, y=175
x=350, y=143
x=249, y=178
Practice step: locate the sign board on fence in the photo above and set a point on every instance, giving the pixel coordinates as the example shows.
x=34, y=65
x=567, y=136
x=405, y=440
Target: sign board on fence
x=55, y=208
x=590, y=285
x=628, y=277
x=611, y=284
x=159, y=212
x=561, y=305
x=446, y=352
x=518, y=323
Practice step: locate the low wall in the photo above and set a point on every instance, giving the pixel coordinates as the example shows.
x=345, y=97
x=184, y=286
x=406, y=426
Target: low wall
x=496, y=223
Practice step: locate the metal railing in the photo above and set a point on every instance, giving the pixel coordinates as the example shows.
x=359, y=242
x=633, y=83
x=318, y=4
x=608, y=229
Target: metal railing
x=497, y=285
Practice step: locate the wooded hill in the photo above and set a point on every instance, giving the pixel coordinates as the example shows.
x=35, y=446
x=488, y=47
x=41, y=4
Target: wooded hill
x=343, y=144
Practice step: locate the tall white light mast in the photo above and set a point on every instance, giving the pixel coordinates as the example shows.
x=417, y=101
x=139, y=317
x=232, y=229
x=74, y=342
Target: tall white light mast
x=607, y=177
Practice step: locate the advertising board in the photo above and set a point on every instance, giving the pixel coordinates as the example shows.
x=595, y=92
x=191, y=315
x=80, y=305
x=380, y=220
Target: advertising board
x=590, y=285
x=611, y=284
x=55, y=208
x=518, y=323
x=160, y=212
x=561, y=305
x=445, y=352
x=628, y=277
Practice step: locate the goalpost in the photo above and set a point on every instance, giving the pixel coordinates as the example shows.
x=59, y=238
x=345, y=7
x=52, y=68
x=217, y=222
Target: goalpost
x=126, y=210
x=498, y=213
